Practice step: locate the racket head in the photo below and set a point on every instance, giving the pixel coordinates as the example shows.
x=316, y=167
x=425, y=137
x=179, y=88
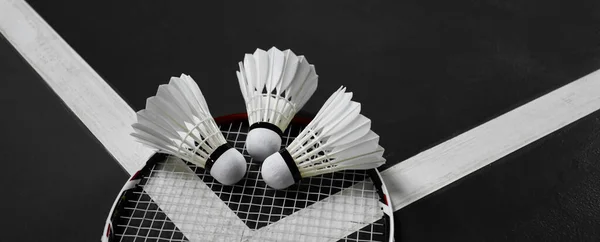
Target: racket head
x=173, y=200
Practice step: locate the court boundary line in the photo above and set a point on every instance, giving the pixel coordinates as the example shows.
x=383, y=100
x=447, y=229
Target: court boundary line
x=87, y=95
x=437, y=167
x=109, y=117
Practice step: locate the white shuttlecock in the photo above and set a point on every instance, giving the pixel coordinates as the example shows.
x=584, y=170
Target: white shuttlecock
x=338, y=138
x=177, y=121
x=275, y=85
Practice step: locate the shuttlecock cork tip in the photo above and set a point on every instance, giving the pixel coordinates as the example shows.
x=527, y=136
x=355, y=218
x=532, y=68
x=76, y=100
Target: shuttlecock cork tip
x=229, y=168
x=263, y=141
x=279, y=170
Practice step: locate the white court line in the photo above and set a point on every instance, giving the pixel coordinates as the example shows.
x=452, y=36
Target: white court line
x=109, y=118
x=348, y=207
x=96, y=104
x=193, y=205
x=445, y=163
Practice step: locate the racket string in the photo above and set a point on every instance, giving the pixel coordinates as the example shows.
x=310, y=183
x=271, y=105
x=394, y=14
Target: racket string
x=287, y=214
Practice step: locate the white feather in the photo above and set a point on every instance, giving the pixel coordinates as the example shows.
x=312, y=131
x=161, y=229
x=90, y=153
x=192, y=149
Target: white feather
x=177, y=121
x=338, y=138
x=275, y=85
x=261, y=59
x=360, y=126
x=291, y=66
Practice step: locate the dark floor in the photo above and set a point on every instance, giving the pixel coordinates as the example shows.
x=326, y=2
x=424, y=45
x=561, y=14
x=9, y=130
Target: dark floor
x=58, y=181
x=424, y=71
x=547, y=191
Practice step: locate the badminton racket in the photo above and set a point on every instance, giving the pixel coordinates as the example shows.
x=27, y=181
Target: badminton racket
x=173, y=200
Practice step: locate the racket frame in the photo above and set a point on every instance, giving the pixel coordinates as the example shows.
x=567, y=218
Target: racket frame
x=108, y=233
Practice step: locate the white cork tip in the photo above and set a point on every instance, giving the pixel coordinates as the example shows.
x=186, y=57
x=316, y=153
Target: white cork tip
x=261, y=143
x=229, y=168
x=276, y=173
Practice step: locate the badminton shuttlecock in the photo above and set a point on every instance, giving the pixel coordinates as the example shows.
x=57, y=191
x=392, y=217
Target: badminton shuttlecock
x=275, y=85
x=177, y=121
x=338, y=138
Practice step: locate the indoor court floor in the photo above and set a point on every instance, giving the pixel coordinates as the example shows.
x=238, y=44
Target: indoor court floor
x=426, y=72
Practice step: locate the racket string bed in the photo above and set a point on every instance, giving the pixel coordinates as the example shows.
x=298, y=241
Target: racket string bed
x=194, y=207
x=141, y=227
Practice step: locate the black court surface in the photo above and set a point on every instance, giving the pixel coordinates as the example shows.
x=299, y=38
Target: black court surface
x=424, y=71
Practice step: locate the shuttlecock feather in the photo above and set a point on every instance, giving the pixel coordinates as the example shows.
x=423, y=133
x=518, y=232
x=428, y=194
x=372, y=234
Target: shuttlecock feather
x=338, y=138
x=177, y=121
x=275, y=85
